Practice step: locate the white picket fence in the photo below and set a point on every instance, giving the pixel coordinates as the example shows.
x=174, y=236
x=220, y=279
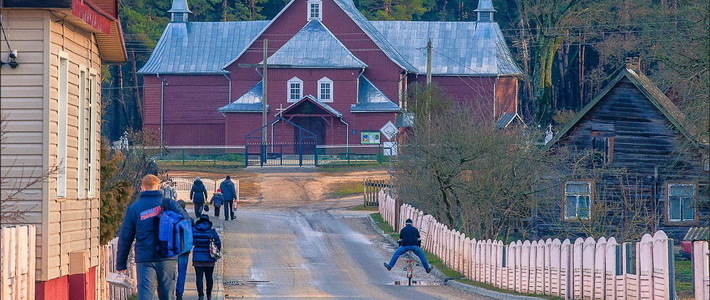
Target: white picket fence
x=583, y=269
x=701, y=270
x=17, y=256
x=184, y=185
x=108, y=265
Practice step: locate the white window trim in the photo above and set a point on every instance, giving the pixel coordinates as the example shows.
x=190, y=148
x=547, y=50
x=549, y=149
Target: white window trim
x=94, y=119
x=62, y=122
x=288, y=89
x=320, y=96
x=320, y=10
x=564, y=201
x=81, y=137
x=668, y=203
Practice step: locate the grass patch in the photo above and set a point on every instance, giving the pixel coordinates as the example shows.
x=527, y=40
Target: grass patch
x=344, y=188
x=381, y=224
x=367, y=166
x=684, y=278
x=362, y=207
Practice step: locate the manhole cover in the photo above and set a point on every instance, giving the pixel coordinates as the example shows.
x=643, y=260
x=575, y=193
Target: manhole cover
x=416, y=282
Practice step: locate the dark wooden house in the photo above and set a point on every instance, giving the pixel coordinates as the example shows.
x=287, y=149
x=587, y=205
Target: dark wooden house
x=646, y=152
x=330, y=71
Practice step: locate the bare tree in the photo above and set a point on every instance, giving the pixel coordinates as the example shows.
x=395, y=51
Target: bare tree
x=15, y=188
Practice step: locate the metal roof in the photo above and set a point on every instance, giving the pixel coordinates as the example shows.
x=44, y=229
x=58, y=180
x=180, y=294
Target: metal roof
x=485, y=5
x=314, y=46
x=179, y=6
x=200, y=47
x=380, y=40
x=315, y=101
x=459, y=48
x=506, y=119
x=697, y=234
x=371, y=99
x=249, y=102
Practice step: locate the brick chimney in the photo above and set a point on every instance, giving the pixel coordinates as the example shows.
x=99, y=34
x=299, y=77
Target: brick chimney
x=634, y=63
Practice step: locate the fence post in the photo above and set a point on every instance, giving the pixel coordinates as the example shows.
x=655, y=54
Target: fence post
x=701, y=270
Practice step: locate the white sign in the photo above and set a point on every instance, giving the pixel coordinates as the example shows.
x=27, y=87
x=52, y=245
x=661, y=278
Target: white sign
x=389, y=130
x=389, y=148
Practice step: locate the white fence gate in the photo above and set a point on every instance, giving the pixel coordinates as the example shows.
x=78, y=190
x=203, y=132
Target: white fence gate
x=17, y=256
x=583, y=269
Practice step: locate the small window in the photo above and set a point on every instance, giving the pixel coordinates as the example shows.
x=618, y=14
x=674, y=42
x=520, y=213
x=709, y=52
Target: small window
x=681, y=202
x=314, y=10
x=325, y=89
x=603, y=146
x=62, y=110
x=295, y=89
x=578, y=198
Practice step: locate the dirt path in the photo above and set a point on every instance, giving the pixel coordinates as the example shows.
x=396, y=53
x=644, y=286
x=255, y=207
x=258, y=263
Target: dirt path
x=285, y=186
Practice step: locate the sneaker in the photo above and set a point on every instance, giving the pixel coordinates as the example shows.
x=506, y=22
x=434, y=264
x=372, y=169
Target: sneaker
x=387, y=266
x=428, y=270
x=234, y=218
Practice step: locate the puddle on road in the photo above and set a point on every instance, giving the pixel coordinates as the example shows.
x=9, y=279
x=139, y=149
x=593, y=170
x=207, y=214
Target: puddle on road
x=416, y=282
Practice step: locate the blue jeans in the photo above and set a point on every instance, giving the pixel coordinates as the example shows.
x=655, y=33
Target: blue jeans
x=160, y=273
x=403, y=249
x=182, y=272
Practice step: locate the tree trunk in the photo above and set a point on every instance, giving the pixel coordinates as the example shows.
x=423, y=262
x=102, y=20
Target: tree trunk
x=136, y=91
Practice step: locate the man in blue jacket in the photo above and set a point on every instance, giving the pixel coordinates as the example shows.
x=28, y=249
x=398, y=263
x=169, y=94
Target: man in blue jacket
x=409, y=240
x=229, y=194
x=141, y=224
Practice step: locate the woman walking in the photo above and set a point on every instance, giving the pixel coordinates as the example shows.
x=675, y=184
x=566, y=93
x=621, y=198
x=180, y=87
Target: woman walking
x=202, y=235
x=198, y=195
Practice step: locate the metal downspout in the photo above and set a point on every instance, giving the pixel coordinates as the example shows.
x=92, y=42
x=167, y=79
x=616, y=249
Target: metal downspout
x=162, y=111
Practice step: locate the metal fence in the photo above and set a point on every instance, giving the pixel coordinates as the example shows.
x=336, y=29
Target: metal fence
x=276, y=154
x=17, y=258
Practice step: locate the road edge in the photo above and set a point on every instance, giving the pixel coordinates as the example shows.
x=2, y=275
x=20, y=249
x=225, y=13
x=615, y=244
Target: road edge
x=454, y=283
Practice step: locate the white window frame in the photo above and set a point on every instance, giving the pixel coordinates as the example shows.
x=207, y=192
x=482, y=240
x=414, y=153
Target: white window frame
x=692, y=200
x=62, y=123
x=94, y=119
x=289, y=94
x=318, y=13
x=590, y=195
x=325, y=80
x=81, y=137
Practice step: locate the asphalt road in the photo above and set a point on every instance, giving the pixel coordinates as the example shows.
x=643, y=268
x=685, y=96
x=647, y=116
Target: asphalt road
x=316, y=251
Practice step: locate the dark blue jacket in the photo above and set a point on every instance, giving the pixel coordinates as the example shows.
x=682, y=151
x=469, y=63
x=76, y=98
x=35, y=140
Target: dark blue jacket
x=217, y=200
x=202, y=233
x=141, y=224
x=198, y=193
x=229, y=192
x=409, y=236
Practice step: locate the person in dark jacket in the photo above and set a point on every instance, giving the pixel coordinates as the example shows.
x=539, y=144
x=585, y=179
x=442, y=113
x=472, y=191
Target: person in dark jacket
x=229, y=194
x=202, y=261
x=182, y=263
x=198, y=194
x=409, y=240
x=217, y=200
x=141, y=224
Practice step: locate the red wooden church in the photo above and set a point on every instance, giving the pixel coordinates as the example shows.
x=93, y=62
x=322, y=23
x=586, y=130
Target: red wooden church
x=330, y=71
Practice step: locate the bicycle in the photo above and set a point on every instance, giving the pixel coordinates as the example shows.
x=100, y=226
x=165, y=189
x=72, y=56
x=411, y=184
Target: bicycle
x=410, y=271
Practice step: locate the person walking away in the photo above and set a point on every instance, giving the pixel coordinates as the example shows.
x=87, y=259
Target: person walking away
x=198, y=194
x=217, y=201
x=140, y=223
x=183, y=259
x=169, y=190
x=229, y=194
x=202, y=261
x=409, y=240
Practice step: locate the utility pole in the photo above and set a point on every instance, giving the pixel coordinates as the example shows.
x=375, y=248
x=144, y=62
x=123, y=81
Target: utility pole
x=429, y=49
x=264, y=103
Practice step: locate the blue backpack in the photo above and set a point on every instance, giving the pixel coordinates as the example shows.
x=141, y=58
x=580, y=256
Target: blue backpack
x=174, y=233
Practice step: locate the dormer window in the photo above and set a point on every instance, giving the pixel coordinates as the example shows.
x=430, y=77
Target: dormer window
x=314, y=10
x=295, y=89
x=325, y=90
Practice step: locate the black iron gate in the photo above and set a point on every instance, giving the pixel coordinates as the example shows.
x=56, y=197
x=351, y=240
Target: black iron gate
x=261, y=151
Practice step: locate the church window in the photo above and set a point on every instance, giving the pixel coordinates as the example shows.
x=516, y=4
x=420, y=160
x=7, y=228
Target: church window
x=295, y=89
x=325, y=89
x=314, y=10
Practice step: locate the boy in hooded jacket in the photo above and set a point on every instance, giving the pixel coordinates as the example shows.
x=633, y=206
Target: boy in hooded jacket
x=217, y=201
x=202, y=261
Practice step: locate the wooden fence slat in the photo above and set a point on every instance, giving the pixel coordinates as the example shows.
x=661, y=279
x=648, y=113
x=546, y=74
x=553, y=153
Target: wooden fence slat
x=661, y=270
x=701, y=270
x=600, y=269
x=577, y=275
x=645, y=266
x=610, y=268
